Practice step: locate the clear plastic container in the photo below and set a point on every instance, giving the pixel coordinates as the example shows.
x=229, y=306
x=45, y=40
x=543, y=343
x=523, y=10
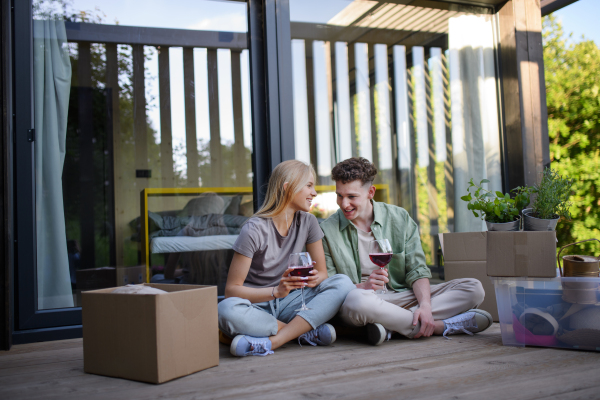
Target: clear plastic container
x=549, y=312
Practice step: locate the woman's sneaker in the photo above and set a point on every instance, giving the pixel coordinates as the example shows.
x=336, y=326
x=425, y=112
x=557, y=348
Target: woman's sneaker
x=323, y=335
x=376, y=334
x=470, y=322
x=243, y=345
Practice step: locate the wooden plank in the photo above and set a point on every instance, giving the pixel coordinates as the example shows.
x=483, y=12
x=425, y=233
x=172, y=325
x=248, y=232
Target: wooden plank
x=166, y=136
x=87, y=238
x=373, y=119
x=119, y=143
x=191, y=141
x=449, y=163
x=121, y=34
x=140, y=130
x=216, y=159
x=330, y=76
x=352, y=80
x=310, y=101
x=238, y=120
x=352, y=369
x=511, y=98
x=432, y=190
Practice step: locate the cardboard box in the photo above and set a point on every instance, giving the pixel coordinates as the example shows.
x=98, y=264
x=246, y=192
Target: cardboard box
x=131, y=275
x=150, y=338
x=521, y=254
x=465, y=257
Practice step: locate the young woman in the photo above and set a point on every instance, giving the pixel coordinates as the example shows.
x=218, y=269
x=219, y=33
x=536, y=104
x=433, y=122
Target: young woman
x=261, y=296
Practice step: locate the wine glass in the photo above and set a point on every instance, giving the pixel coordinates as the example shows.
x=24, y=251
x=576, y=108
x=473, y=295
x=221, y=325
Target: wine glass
x=301, y=265
x=380, y=253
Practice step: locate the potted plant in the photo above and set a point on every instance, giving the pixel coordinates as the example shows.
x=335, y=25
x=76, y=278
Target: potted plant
x=550, y=204
x=497, y=209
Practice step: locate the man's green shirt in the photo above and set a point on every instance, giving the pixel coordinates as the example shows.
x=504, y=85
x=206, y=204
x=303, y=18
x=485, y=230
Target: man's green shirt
x=391, y=222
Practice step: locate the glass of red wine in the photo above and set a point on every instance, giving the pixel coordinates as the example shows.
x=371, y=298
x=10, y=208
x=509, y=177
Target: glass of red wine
x=380, y=253
x=301, y=265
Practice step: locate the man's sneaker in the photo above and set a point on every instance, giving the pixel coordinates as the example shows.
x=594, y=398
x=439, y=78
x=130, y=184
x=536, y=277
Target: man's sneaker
x=376, y=334
x=470, y=322
x=323, y=335
x=243, y=345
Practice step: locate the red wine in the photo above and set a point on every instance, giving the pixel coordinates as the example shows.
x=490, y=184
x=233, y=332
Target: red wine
x=380, y=259
x=301, y=271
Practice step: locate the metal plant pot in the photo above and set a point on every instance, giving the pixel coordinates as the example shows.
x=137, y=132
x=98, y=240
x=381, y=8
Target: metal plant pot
x=531, y=223
x=504, y=227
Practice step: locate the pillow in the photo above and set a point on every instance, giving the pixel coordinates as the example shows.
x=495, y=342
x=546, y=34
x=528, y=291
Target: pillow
x=206, y=203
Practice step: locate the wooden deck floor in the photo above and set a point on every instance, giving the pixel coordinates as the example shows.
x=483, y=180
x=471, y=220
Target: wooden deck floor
x=476, y=367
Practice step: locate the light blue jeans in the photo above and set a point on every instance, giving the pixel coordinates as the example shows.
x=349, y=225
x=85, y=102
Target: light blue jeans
x=240, y=317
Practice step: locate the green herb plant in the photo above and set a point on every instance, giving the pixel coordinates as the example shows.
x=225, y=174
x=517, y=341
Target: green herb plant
x=495, y=207
x=553, y=193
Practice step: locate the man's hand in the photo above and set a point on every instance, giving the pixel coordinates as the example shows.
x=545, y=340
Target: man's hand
x=423, y=314
x=376, y=280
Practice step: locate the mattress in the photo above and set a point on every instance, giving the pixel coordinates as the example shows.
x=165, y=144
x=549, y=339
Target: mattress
x=181, y=244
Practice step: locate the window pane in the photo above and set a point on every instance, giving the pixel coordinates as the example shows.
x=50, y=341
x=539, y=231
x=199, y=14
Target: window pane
x=412, y=89
x=130, y=97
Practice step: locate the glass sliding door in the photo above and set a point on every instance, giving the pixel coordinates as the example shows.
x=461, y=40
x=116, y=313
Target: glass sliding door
x=129, y=102
x=412, y=88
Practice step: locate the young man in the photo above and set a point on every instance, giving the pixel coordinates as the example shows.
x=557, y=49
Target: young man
x=411, y=307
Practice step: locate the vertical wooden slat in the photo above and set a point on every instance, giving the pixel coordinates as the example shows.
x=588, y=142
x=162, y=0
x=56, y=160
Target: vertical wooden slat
x=86, y=157
x=140, y=133
x=449, y=164
x=238, y=120
x=166, y=136
x=120, y=222
x=189, y=93
x=331, y=94
x=310, y=101
x=413, y=148
x=431, y=178
x=216, y=160
x=352, y=80
x=371, y=77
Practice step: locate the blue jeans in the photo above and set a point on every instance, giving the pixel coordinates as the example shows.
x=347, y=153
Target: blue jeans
x=240, y=317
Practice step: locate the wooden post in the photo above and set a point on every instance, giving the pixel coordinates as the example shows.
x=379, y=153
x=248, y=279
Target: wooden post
x=191, y=142
x=310, y=101
x=140, y=133
x=238, y=119
x=371, y=77
x=524, y=111
x=216, y=159
x=166, y=137
x=123, y=175
x=352, y=81
x=449, y=164
x=86, y=157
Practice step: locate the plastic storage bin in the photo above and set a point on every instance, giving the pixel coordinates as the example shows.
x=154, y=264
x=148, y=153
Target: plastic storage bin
x=549, y=312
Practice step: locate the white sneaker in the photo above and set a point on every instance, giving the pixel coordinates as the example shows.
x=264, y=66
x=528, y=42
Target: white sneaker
x=376, y=334
x=470, y=322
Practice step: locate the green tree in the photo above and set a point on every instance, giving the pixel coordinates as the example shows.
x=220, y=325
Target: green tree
x=572, y=88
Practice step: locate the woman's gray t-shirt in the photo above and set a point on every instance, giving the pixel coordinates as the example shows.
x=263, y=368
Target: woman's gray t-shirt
x=269, y=251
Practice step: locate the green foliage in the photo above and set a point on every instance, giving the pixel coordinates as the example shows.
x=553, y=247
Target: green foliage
x=572, y=95
x=493, y=207
x=552, y=196
x=522, y=196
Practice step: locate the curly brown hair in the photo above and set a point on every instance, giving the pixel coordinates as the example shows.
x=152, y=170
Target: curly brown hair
x=352, y=169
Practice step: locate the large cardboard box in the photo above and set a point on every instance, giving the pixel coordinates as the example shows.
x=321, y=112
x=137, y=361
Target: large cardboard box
x=521, y=254
x=150, y=338
x=465, y=257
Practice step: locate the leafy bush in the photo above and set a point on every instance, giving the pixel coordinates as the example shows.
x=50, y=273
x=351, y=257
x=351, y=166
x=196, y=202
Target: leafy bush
x=553, y=193
x=493, y=207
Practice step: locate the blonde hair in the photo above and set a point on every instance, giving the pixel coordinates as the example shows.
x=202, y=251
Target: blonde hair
x=296, y=174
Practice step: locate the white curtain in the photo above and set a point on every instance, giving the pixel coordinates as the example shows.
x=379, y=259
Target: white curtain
x=52, y=82
x=475, y=132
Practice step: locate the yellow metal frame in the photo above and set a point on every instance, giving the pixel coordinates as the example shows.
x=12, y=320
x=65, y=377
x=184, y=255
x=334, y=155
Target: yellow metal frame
x=145, y=193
